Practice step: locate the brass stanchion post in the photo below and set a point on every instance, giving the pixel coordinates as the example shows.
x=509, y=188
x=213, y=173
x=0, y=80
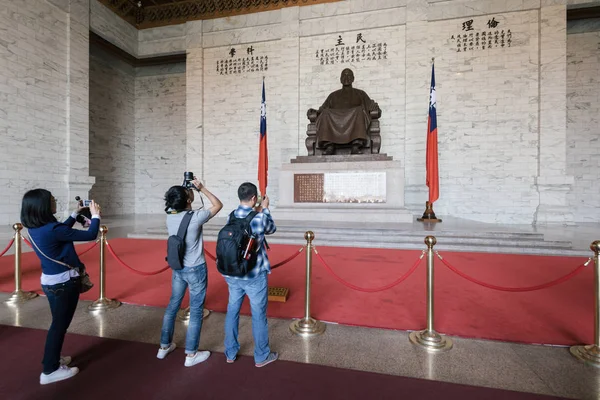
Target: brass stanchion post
x=429, y=338
x=18, y=296
x=591, y=353
x=184, y=314
x=307, y=326
x=103, y=304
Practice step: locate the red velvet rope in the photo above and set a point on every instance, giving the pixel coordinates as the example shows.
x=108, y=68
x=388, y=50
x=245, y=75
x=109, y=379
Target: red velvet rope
x=7, y=247
x=287, y=260
x=88, y=249
x=27, y=243
x=111, y=251
x=279, y=264
x=523, y=289
x=379, y=289
x=210, y=255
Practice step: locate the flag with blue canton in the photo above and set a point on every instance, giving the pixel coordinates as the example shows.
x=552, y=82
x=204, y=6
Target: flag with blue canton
x=263, y=157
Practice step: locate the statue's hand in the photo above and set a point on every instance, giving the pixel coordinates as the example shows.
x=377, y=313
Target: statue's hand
x=311, y=112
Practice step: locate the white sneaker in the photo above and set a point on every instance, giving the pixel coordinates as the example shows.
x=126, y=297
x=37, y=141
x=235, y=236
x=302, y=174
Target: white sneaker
x=199, y=357
x=162, y=353
x=66, y=360
x=63, y=372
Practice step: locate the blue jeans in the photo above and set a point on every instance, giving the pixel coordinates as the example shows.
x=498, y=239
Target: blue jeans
x=257, y=291
x=63, y=298
x=197, y=279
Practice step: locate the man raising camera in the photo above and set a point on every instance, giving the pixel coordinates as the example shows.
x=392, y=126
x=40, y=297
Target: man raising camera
x=178, y=202
x=254, y=283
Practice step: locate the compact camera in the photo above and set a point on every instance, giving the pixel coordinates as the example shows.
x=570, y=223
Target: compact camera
x=84, y=214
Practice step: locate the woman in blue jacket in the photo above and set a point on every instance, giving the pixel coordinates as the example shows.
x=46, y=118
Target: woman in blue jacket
x=53, y=243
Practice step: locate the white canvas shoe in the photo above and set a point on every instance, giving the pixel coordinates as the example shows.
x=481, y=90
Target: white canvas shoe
x=63, y=372
x=199, y=357
x=162, y=353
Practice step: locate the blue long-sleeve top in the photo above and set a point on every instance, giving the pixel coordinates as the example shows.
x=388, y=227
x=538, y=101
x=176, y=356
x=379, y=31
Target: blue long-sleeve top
x=56, y=239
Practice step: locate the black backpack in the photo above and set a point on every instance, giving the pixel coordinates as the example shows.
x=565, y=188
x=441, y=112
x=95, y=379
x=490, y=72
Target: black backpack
x=176, y=244
x=231, y=244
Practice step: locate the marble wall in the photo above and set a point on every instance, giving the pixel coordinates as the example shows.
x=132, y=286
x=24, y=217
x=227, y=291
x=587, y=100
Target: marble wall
x=501, y=106
x=583, y=110
x=43, y=101
x=113, y=28
x=515, y=124
x=112, y=132
x=160, y=138
x=137, y=133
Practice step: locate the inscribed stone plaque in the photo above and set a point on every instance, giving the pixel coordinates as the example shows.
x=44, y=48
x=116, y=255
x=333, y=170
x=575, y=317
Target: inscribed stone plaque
x=308, y=188
x=355, y=187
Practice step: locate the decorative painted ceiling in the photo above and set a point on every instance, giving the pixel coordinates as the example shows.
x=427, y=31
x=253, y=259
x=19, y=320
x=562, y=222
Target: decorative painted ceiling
x=152, y=13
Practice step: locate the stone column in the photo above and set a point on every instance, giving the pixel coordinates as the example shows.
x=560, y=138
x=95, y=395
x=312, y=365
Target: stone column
x=194, y=112
x=78, y=180
x=552, y=181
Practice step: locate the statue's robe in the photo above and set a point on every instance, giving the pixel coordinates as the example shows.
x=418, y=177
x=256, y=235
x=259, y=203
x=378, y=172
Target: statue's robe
x=344, y=117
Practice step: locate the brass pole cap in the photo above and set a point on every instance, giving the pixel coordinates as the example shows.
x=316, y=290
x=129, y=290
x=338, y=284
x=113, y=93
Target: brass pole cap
x=430, y=241
x=309, y=236
x=18, y=226
x=103, y=229
x=595, y=247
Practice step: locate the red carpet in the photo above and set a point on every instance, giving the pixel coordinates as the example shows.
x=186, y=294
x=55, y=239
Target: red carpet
x=117, y=369
x=559, y=315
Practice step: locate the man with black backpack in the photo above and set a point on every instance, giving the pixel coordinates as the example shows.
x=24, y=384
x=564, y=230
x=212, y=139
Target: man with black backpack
x=185, y=255
x=242, y=259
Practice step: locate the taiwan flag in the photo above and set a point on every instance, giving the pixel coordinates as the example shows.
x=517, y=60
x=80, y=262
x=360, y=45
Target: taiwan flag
x=263, y=156
x=431, y=160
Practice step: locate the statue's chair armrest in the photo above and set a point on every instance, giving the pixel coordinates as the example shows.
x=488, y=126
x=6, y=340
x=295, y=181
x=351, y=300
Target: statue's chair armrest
x=312, y=115
x=376, y=113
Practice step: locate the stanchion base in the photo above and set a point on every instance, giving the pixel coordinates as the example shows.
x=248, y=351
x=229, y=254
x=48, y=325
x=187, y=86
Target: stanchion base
x=104, y=304
x=19, y=296
x=184, y=314
x=589, y=354
x=307, y=327
x=430, y=340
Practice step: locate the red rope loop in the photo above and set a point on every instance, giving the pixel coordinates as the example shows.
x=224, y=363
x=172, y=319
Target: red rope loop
x=27, y=243
x=89, y=248
x=279, y=264
x=7, y=247
x=287, y=260
x=522, y=289
x=111, y=251
x=379, y=289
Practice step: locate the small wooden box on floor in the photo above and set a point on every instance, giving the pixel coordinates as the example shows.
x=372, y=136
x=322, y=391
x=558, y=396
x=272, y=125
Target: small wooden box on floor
x=279, y=294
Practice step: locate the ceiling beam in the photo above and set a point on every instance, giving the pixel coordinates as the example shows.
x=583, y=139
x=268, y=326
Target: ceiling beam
x=131, y=60
x=583, y=13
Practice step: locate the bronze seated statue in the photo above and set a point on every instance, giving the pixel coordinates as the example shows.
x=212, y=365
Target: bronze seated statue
x=347, y=122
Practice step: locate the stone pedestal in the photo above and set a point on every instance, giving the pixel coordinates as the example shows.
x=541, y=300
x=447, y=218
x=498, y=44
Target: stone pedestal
x=364, y=188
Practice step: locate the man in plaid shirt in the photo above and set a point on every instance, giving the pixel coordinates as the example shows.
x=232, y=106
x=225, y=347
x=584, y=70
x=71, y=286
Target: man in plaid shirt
x=254, y=284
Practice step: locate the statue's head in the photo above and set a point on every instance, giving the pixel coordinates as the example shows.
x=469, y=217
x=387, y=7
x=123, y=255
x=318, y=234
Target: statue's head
x=347, y=77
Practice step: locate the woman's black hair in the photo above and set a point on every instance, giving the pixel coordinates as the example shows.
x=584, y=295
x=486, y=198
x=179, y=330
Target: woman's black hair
x=176, y=198
x=36, y=208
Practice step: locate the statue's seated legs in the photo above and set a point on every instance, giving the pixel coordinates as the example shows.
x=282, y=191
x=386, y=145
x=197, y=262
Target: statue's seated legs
x=357, y=147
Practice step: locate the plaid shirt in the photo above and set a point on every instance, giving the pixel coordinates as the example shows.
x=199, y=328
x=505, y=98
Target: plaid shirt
x=262, y=224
